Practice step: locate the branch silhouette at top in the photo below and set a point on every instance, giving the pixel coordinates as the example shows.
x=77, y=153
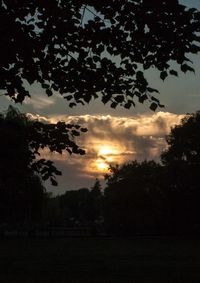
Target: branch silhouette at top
x=89, y=49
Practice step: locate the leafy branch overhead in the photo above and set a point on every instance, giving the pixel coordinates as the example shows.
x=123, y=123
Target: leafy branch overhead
x=59, y=137
x=89, y=49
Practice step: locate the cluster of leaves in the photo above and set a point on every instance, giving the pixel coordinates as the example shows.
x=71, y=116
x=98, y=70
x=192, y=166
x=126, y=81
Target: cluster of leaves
x=86, y=49
x=23, y=138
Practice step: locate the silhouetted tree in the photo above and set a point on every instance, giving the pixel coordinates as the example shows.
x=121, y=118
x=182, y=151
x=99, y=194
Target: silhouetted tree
x=86, y=49
x=95, y=202
x=133, y=198
x=53, y=213
x=184, y=142
x=75, y=207
x=81, y=207
x=182, y=161
x=22, y=201
x=22, y=169
x=22, y=139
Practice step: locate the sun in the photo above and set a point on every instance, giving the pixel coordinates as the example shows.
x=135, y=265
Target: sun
x=101, y=165
x=105, y=151
x=106, y=155
x=108, y=151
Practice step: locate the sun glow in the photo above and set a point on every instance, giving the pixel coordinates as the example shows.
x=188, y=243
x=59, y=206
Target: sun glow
x=101, y=165
x=105, y=151
x=108, y=150
x=106, y=156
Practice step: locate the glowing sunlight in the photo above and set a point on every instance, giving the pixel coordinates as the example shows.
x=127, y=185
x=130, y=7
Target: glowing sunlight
x=101, y=165
x=106, y=155
x=107, y=150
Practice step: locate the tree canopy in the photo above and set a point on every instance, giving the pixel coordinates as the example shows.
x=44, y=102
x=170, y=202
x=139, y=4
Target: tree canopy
x=89, y=49
x=184, y=142
x=139, y=198
x=133, y=197
x=163, y=198
x=22, y=140
x=182, y=162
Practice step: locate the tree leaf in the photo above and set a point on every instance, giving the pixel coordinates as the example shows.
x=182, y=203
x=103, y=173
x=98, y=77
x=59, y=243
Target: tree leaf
x=185, y=68
x=113, y=105
x=68, y=97
x=53, y=182
x=142, y=98
x=153, y=106
x=149, y=89
x=106, y=98
x=49, y=92
x=119, y=98
x=163, y=75
x=174, y=73
x=72, y=104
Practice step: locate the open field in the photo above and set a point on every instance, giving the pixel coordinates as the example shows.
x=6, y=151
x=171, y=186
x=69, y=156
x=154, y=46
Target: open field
x=98, y=260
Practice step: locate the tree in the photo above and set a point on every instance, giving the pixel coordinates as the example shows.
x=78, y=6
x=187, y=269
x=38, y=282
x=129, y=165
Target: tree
x=182, y=161
x=75, y=206
x=89, y=49
x=23, y=138
x=83, y=205
x=21, y=201
x=22, y=194
x=133, y=198
x=96, y=202
x=184, y=142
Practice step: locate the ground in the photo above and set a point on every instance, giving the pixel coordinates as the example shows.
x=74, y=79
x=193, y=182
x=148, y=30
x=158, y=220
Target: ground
x=100, y=260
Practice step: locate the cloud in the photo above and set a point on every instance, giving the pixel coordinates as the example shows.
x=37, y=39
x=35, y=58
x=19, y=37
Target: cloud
x=39, y=102
x=111, y=140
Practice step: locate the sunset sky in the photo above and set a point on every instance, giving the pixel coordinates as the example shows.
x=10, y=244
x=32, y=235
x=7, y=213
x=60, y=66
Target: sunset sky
x=116, y=136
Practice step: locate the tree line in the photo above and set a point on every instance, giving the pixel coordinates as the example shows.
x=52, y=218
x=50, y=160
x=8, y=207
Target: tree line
x=139, y=197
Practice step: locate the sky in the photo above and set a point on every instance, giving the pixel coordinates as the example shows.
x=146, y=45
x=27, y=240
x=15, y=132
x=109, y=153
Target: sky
x=117, y=135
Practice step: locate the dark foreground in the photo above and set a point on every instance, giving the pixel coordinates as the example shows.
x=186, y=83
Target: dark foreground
x=100, y=260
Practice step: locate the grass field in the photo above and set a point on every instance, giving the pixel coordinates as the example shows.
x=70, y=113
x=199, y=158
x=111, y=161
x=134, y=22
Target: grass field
x=98, y=260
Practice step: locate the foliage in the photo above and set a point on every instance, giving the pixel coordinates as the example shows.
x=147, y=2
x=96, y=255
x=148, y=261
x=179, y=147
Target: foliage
x=22, y=194
x=133, y=198
x=160, y=198
x=83, y=206
x=184, y=142
x=23, y=138
x=21, y=199
x=96, y=202
x=74, y=206
x=86, y=49
x=139, y=198
x=182, y=161
x=146, y=197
